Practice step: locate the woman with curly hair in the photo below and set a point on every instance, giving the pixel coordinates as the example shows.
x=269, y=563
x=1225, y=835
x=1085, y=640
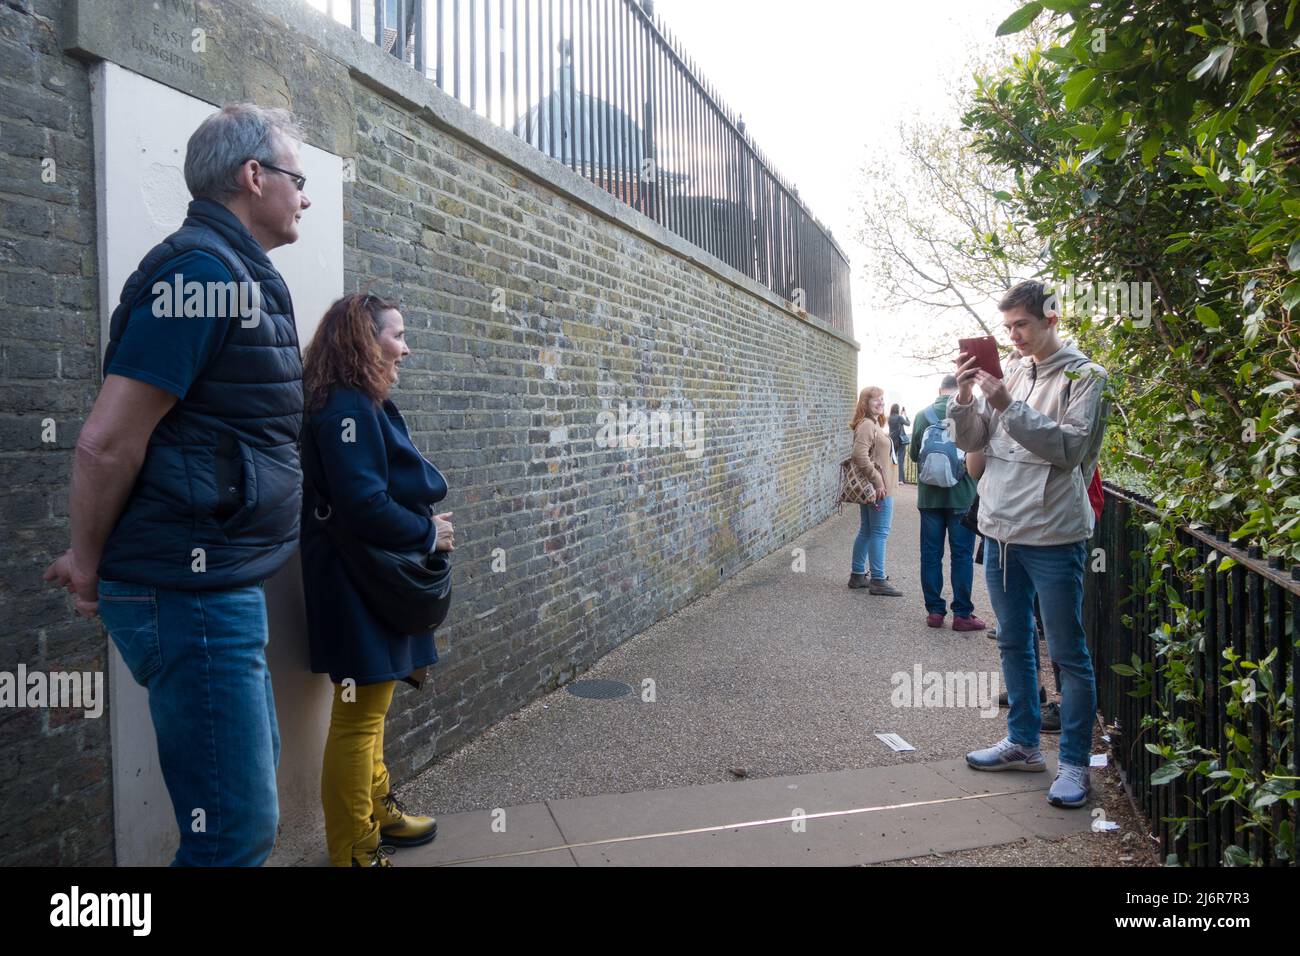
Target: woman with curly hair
x=362, y=470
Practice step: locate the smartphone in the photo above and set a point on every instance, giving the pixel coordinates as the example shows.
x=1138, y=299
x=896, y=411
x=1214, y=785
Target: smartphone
x=985, y=348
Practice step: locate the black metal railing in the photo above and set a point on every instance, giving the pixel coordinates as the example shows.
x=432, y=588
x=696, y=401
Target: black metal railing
x=1252, y=607
x=605, y=88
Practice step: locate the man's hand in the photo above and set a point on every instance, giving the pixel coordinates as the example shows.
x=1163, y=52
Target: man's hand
x=967, y=369
x=83, y=584
x=994, y=389
x=446, y=533
x=969, y=374
x=110, y=450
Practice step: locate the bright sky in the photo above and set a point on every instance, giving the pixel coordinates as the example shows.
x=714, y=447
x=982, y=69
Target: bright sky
x=821, y=83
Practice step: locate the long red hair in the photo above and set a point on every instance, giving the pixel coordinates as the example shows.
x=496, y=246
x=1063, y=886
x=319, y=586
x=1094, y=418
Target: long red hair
x=860, y=411
x=344, y=352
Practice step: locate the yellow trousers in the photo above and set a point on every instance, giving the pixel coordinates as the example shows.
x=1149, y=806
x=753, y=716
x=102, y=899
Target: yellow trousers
x=354, y=778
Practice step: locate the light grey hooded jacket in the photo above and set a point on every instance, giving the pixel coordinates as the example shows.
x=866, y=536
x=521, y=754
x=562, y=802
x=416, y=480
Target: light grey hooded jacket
x=1040, y=454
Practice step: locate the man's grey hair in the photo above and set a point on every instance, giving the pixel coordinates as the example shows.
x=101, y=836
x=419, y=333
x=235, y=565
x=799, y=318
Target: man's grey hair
x=229, y=138
x=949, y=384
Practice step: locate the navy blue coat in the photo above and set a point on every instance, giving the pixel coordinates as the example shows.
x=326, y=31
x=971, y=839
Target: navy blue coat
x=381, y=489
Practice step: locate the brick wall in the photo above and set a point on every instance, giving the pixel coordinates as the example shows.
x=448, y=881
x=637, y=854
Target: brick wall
x=564, y=548
x=55, y=791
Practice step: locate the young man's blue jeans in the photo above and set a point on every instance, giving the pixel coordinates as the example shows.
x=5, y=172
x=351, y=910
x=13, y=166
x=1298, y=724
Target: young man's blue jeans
x=936, y=525
x=1055, y=574
x=202, y=657
x=873, y=533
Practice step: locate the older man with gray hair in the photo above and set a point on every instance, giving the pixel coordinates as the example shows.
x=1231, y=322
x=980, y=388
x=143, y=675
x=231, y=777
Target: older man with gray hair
x=186, y=487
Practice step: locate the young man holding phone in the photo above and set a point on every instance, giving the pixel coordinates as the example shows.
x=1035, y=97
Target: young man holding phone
x=1040, y=431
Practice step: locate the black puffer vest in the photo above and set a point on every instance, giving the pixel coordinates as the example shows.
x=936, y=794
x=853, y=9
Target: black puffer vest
x=217, y=500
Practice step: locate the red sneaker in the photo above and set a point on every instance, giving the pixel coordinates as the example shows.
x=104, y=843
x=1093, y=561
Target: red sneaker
x=935, y=620
x=971, y=623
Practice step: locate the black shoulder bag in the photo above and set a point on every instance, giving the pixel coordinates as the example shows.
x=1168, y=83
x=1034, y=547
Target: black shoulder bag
x=409, y=590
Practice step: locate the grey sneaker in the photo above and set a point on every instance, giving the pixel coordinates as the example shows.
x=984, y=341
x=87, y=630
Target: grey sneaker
x=1071, y=786
x=1004, y=755
x=882, y=586
x=857, y=580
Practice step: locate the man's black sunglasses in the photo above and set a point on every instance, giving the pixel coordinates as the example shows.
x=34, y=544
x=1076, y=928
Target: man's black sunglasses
x=299, y=180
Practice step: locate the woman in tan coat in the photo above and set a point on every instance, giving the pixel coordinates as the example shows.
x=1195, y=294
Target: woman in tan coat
x=873, y=456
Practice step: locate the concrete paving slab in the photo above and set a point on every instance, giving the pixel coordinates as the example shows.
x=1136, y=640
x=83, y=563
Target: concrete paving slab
x=983, y=781
x=463, y=836
x=550, y=858
x=832, y=841
x=746, y=824
x=657, y=811
x=1031, y=811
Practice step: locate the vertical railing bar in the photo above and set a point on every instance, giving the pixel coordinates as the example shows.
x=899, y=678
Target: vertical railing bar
x=1276, y=643
x=399, y=33
x=501, y=58
x=589, y=101
x=528, y=71
x=699, y=198
x=381, y=10
x=581, y=69
x=606, y=86
x=421, y=37
x=440, y=74
x=553, y=98
x=1256, y=713
x=455, y=50
x=573, y=91
x=666, y=128
x=650, y=149
x=668, y=76
x=473, y=55
x=1294, y=644
x=632, y=171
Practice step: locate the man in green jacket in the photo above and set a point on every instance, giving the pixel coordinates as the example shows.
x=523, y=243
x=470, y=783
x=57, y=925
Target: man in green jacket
x=941, y=512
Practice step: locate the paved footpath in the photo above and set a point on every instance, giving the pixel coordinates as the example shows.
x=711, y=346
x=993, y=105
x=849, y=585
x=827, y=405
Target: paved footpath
x=767, y=695
x=846, y=818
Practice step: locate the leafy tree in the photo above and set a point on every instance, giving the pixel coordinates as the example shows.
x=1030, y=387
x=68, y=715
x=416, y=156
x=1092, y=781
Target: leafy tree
x=929, y=216
x=1157, y=143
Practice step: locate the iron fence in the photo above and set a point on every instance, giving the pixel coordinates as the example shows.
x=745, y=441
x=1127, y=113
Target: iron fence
x=1252, y=608
x=605, y=88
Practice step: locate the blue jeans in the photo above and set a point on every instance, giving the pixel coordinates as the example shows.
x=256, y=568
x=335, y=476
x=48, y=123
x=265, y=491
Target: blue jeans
x=202, y=657
x=873, y=533
x=1055, y=574
x=936, y=525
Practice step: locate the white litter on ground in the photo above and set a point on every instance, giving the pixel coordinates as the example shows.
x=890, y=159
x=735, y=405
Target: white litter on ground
x=895, y=742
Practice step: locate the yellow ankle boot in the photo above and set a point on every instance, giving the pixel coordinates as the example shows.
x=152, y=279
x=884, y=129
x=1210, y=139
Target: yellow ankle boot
x=368, y=851
x=397, y=827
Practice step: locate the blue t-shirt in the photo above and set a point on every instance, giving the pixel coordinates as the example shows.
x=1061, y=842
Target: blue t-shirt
x=170, y=350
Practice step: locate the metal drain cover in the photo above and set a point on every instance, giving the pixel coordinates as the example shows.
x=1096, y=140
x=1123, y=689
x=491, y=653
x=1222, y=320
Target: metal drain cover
x=599, y=689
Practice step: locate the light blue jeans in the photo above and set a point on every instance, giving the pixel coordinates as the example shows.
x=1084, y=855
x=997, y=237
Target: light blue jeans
x=1055, y=574
x=202, y=657
x=873, y=533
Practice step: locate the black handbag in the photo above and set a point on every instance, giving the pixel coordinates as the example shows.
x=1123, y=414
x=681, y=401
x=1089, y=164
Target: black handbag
x=409, y=590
